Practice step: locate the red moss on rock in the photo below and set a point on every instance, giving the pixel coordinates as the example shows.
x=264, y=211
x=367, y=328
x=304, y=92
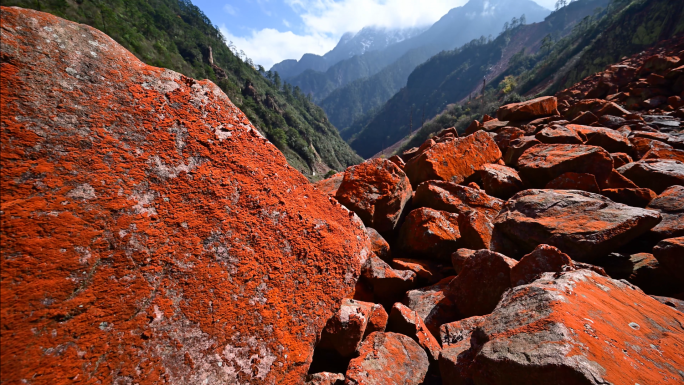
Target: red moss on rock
x=330, y=185
x=455, y=198
x=575, y=181
x=407, y=322
x=542, y=163
x=529, y=110
x=150, y=233
x=431, y=234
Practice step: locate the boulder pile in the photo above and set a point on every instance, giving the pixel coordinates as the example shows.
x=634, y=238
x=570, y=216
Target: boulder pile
x=543, y=246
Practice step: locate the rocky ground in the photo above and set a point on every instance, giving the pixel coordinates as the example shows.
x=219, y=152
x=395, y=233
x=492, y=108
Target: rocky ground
x=546, y=246
x=150, y=235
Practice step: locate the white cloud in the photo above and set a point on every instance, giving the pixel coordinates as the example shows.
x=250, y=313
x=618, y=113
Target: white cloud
x=269, y=46
x=229, y=9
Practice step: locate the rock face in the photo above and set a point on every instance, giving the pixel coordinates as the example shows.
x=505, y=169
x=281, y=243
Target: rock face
x=655, y=174
x=477, y=289
x=377, y=190
x=430, y=233
x=529, y=110
x=545, y=162
x=407, y=322
x=581, y=224
x=453, y=160
x=500, y=181
x=670, y=204
x=554, y=331
x=432, y=305
x=388, y=358
x=455, y=198
x=154, y=235
x=543, y=259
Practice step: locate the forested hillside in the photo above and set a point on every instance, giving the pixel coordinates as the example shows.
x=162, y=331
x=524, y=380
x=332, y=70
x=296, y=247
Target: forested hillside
x=175, y=34
x=532, y=60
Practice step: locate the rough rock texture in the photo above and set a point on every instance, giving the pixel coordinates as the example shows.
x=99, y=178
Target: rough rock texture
x=453, y=160
x=620, y=159
x=558, y=134
x=610, y=140
x=377, y=190
x=655, y=174
x=150, y=234
x=581, y=224
x=459, y=257
x=518, y=147
x=455, y=198
x=476, y=230
x=388, y=358
x=579, y=328
x=670, y=204
x=575, y=181
x=529, y=110
x=405, y=321
x=504, y=137
x=379, y=245
x=456, y=337
x=636, y=197
x=670, y=253
x=483, y=279
x=388, y=285
x=432, y=305
x=429, y=233
x=325, y=378
x=543, y=259
x=330, y=185
x=347, y=327
x=542, y=163
x=500, y=181
x=427, y=272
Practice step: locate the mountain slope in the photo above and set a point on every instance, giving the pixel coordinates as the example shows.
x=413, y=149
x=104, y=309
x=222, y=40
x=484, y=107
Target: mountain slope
x=175, y=34
x=460, y=25
x=369, y=39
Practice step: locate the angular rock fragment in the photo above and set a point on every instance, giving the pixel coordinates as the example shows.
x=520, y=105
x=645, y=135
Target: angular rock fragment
x=642, y=270
x=459, y=257
x=388, y=285
x=670, y=204
x=620, y=159
x=405, y=321
x=670, y=253
x=517, y=147
x=377, y=191
x=388, y=358
x=157, y=235
x=500, y=181
x=543, y=259
x=431, y=304
x=635, y=197
x=504, y=137
x=455, y=198
x=330, y=185
x=617, y=180
x=426, y=271
x=325, y=378
x=483, y=279
x=542, y=163
x=662, y=152
x=529, y=110
x=378, y=244
x=575, y=181
x=345, y=330
x=456, y=352
x=581, y=224
x=476, y=230
x=454, y=160
x=610, y=140
x=429, y=233
x=527, y=339
x=656, y=175
x=558, y=134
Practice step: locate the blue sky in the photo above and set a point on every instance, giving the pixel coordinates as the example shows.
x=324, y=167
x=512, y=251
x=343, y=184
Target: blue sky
x=269, y=31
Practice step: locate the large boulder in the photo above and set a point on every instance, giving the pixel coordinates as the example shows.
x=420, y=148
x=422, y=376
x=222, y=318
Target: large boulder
x=670, y=204
x=345, y=330
x=611, y=140
x=377, y=190
x=455, y=198
x=150, y=232
x=431, y=234
x=655, y=174
x=577, y=328
x=529, y=110
x=477, y=289
x=453, y=160
x=386, y=359
x=544, y=162
x=581, y=224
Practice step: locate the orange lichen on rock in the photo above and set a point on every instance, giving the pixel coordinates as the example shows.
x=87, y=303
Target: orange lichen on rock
x=149, y=233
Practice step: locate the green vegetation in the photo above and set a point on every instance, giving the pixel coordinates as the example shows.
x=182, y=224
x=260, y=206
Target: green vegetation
x=175, y=34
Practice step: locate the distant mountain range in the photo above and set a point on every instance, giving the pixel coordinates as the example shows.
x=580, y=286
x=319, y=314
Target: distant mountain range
x=351, y=44
x=352, y=87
